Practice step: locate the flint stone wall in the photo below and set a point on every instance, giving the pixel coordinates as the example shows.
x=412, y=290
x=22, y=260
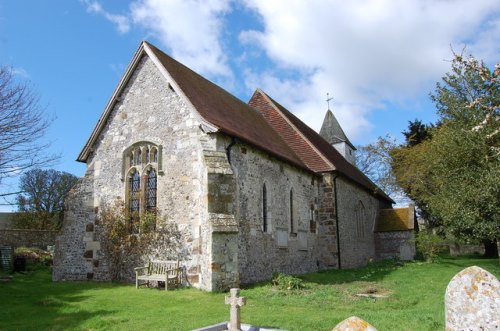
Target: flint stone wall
x=357, y=240
x=147, y=110
x=276, y=250
x=400, y=244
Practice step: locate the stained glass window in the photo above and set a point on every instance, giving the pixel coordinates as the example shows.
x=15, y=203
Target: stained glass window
x=151, y=190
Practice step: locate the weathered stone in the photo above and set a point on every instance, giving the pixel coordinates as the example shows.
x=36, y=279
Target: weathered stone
x=235, y=301
x=210, y=185
x=472, y=301
x=354, y=323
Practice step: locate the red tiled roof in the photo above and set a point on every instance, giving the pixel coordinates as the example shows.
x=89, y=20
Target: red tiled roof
x=225, y=111
x=301, y=146
x=271, y=128
x=316, y=146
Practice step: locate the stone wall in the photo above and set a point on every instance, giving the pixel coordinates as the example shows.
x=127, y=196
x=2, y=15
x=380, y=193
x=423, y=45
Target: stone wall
x=148, y=110
x=27, y=238
x=279, y=248
x=357, y=213
x=395, y=244
x=72, y=257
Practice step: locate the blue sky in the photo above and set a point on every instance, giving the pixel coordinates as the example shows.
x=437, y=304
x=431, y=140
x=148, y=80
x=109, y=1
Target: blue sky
x=379, y=59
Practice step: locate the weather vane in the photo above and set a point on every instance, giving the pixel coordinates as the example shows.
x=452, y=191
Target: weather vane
x=328, y=99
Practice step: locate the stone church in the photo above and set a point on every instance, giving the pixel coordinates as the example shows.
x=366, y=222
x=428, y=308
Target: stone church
x=252, y=189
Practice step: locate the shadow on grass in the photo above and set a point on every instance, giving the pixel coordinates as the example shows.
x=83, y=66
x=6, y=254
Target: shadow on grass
x=373, y=272
x=31, y=301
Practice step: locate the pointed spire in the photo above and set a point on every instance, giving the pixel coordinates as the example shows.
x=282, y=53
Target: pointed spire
x=331, y=130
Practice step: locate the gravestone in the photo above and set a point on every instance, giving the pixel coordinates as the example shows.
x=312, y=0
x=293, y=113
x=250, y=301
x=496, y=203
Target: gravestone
x=354, y=323
x=472, y=301
x=235, y=301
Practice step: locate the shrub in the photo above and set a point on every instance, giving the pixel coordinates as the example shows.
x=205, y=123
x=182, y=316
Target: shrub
x=429, y=245
x=128, y=239
x=34, y=255
x=286, y=282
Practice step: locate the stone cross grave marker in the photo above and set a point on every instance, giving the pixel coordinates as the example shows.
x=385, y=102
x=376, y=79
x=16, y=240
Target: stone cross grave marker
x=472, y=301
x=236, y=302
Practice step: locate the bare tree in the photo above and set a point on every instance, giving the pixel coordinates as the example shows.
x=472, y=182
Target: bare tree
x=23, y=124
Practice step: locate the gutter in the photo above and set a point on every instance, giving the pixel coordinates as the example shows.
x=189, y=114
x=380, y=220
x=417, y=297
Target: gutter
x=337, y=219
x=228, y=149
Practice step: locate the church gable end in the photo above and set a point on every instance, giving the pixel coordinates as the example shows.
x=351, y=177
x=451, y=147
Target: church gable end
x=146, y=152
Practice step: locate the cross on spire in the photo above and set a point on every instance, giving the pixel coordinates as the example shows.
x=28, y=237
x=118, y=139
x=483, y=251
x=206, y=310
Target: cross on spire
x=328, y=99
x=235, y=301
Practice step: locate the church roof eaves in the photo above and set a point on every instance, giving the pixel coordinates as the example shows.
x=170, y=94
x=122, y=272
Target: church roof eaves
x=340, y=164
x=273, y=112
x=217, y=109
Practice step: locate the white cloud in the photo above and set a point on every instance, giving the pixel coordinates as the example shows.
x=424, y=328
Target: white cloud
x=365, y=52
x=191, y=29
x=122, y=22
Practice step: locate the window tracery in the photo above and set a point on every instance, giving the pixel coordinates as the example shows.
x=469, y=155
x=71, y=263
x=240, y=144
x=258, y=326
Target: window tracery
x=141, y=166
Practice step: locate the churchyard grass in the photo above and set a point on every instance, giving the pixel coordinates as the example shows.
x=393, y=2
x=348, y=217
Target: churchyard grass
x=412, y=299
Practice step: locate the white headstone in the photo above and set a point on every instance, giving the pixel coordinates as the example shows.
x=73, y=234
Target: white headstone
x=472, y=301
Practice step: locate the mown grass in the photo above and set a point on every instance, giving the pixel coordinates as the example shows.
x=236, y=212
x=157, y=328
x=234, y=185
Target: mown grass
x=415, y=301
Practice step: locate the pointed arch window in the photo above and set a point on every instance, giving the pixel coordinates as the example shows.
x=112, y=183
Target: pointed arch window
x=151, y=190
x=360, y=220
x=134, y=189
x=141, y=165
x=292, y=229
x=264, y=208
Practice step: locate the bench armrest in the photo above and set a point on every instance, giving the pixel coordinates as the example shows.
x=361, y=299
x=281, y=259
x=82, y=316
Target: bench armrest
x=139, y=269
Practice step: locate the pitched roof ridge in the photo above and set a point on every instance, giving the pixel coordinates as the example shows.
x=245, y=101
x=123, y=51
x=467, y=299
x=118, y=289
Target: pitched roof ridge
x=225, y=111
x=275, y=104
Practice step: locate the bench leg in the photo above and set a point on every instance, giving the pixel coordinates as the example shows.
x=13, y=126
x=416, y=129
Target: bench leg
x=136, y=282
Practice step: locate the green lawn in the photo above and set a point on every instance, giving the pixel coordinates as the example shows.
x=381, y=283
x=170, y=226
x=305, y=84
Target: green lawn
x=415, y=301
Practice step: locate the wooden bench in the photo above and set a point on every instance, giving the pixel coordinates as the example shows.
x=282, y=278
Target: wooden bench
x=160, y=271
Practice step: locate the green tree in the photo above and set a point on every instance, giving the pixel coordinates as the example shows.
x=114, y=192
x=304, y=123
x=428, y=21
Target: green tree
x=455, y=174
x=417, y=132
x=41, y=205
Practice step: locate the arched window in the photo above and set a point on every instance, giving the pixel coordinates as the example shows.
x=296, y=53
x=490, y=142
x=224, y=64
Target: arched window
x=312, y=221
x=141, y=165
x=134, y=191
x=151, y=190
x=134, y=187
x=360, y=220
x=292, y=230
x=264, y=208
